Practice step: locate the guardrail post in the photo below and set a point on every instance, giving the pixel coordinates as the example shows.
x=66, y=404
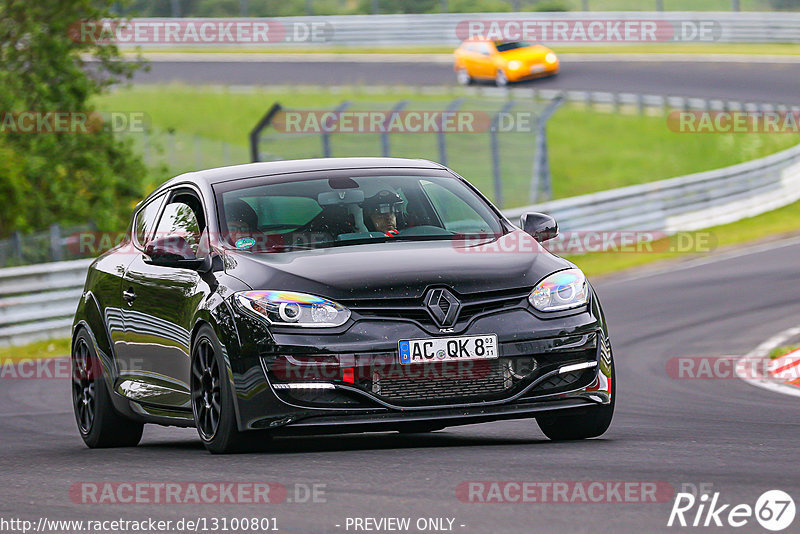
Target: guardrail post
x=640, y=103
x=56, y=251
x=326, y=135
x=541, y=179
x=735, y=5
x=585, y=5
x=441, y=136
x=498, y=183
x=385, y=133
x=16, y=244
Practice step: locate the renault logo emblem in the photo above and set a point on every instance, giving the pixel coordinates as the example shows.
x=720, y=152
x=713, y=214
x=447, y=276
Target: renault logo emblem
x=443, y=306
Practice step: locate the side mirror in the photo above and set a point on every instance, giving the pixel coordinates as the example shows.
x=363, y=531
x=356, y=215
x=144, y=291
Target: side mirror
x=541, y=226
x=172, y=251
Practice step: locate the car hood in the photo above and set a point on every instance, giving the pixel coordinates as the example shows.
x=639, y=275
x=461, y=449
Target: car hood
x=402, y=269
x=527, y=54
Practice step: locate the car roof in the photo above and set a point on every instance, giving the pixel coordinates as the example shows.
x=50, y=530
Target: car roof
x=278, y=168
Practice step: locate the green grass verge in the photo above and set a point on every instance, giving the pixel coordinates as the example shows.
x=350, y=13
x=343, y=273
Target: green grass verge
x=782, y=49
x=783, y=221
x=782, y=351
x=589, y=150
x=40, y=349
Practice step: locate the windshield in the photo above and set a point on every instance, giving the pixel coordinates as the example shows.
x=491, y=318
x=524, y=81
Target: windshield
x=506, y=46
x=350, y=210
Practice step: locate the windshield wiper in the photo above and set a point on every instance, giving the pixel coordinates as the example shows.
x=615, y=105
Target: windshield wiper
x=375, y=239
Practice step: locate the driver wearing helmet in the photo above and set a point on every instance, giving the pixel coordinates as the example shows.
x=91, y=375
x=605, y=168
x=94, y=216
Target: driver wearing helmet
x=380, y=212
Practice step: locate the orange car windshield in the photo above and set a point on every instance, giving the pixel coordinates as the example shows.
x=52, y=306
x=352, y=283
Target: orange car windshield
x=511, y=45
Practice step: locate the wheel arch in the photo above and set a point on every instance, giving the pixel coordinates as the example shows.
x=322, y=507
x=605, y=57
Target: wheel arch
x=221, y=323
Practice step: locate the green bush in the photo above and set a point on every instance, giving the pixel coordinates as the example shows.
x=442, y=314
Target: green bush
x=789, y=5
x=551, y=6
x=66, y=177
x=479, y=6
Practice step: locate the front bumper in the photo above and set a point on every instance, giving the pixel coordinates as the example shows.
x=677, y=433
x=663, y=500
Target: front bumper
x=530, y=72
x=533, y=351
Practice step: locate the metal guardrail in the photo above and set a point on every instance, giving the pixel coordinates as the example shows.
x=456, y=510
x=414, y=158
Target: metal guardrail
x=685, y=203
x=39, y=301
x=441, y=29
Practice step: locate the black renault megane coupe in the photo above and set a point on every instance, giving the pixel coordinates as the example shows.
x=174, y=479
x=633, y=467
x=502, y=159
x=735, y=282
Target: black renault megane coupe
x=334, y=295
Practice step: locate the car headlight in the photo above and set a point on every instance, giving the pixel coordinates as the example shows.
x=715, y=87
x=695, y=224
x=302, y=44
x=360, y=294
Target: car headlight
x=550, y=58
x=515, y=65
x=560, y=291
x=286, y=308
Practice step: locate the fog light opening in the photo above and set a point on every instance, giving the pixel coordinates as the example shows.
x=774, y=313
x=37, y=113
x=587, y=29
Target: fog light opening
x=349, y=375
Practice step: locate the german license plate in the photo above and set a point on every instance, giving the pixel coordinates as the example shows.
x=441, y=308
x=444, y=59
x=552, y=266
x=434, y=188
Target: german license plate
x=536, y=69
x=442, y=349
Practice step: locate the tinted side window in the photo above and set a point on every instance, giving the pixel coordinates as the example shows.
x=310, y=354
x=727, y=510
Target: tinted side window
x=145, y=220
x=455, y=213
x=179, y=219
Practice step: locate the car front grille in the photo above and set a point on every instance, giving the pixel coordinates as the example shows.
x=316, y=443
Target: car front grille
x=485, y=378
x=414, y=309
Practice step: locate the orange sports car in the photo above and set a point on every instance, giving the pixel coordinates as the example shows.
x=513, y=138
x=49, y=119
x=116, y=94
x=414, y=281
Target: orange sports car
x=503, y=61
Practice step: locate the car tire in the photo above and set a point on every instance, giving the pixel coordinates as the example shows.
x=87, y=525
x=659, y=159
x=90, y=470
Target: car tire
x=212, y=400
x=99, y=423
x=591, y=424
x=463, y=77
x=500, y=79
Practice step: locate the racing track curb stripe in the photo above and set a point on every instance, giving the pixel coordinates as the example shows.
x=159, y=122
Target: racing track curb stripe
x=750, y=360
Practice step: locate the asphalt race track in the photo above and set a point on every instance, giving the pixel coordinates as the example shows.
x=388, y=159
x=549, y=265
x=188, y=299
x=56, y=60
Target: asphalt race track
x=741, y=439
x=771, y=82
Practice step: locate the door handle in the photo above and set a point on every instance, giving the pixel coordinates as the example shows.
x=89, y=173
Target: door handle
x=129, y=295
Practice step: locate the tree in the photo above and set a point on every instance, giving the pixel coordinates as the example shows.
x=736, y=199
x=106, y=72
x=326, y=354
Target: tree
x=68, y=176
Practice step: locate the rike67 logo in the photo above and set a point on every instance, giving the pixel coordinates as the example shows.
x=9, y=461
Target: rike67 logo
x=774, y=510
